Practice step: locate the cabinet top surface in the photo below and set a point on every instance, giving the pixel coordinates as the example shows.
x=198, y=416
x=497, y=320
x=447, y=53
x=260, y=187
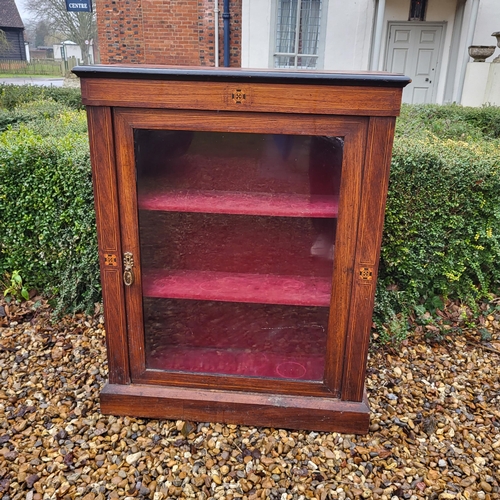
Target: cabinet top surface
x=235, y=75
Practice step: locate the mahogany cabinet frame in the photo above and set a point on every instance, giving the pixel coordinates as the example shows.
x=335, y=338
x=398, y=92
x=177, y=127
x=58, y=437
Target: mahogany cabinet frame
x=362, y=109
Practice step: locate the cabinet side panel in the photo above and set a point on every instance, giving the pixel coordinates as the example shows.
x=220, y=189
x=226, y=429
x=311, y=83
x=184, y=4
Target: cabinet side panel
x=373, y=198
x=106, y=206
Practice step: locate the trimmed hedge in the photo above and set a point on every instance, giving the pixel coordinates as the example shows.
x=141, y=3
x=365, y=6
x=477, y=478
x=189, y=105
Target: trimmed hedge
x=442, y=225
x=47, y=220
x=449, y=122
x=12, y=96
x=46, y=117
x=442, y=229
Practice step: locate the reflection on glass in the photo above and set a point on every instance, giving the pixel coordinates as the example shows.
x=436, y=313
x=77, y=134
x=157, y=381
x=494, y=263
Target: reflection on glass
x=236, y=338
x=237, y=237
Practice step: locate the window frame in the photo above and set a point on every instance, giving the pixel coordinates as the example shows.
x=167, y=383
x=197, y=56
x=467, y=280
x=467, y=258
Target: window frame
x=323, y=14
x=414, y=9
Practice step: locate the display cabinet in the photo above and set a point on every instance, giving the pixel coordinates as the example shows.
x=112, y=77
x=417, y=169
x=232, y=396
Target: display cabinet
x=239, y=217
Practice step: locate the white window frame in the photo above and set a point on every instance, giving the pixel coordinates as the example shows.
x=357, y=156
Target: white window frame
x=296, y=54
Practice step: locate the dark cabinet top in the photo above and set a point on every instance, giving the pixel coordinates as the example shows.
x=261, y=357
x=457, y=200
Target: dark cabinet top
x=238, y=75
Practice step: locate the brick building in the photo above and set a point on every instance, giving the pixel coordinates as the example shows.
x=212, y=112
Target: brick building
x=427, y=40
x=178, y=32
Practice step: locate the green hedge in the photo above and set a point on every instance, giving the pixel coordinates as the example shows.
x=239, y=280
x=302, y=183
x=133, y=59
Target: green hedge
x=46, y=117
x=442, y=229
x=12, y=96
x=450, y=122
x=47, y=221
x=442, y=226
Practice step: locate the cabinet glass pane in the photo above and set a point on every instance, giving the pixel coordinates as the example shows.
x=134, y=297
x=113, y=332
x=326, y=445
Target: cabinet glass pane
x=237, y=235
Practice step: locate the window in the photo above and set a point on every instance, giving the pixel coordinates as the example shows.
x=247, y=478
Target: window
x=297, y=34
x=417, y=10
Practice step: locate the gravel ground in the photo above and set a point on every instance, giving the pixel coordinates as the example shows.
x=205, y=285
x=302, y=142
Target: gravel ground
x=435, y=427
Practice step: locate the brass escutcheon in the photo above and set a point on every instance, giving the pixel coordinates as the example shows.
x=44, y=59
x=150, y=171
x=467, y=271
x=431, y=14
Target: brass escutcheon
x=128, y=264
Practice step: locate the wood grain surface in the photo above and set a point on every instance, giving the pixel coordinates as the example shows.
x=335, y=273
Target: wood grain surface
x=269, y=410
x=269, y=98
x=108, y=233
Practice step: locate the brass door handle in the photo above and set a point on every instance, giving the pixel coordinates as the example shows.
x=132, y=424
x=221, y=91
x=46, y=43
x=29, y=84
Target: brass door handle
x=128, y=272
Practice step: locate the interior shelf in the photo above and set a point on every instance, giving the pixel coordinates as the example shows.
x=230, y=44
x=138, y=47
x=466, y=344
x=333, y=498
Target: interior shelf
x=241, y=203
x=237, y=287
x=238, y=362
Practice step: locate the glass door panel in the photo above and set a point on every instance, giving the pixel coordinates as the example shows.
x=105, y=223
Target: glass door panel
x=237, y=236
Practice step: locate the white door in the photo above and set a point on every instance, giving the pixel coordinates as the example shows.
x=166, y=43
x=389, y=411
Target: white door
x=414, y=49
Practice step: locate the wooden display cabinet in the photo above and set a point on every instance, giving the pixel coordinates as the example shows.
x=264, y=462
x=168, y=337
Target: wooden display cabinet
x=239, y=216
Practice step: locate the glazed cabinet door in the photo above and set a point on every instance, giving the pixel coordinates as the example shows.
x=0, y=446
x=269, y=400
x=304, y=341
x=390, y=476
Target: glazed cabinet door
x=238, y=235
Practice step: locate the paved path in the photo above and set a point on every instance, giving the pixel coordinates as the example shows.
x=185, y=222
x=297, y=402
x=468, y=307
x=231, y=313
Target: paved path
x=47, y=82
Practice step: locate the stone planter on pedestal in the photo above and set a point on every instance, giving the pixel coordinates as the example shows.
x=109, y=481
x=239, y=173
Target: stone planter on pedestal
x=492, y=93
x=480, y=52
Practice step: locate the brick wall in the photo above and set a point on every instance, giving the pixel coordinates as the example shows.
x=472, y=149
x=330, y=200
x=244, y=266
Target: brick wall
x=120, y=31
x=177, y=32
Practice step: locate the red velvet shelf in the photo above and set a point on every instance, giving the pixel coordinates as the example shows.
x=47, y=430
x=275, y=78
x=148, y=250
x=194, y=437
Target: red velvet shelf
x=241, y=203
x=237, y=287
x=237, y=362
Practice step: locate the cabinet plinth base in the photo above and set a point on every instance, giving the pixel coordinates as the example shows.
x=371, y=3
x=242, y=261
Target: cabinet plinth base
x=232, y=407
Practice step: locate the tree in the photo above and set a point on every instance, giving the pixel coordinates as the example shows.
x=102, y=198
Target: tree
x=41, y=32
x=79, y=27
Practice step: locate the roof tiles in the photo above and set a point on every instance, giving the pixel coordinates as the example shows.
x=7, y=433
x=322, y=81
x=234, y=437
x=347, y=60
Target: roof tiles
x=9, y=15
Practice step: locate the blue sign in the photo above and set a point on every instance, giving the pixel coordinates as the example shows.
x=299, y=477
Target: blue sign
x=79, y=5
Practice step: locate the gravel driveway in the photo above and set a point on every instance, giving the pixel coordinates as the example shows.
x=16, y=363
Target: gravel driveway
x=435, y=428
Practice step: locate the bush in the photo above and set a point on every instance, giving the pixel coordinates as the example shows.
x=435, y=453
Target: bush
x=47, y=219
x=449, y=122
x=46, y=117
x=442, y=225
x=12, y=96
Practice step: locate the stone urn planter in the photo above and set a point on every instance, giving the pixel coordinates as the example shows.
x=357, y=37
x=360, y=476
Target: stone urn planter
x=480, y=52
x=497, y=36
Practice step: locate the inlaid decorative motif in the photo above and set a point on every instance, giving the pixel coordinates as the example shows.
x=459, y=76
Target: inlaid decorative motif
x=110, y=260
x=366, y=273
x=239, y=96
